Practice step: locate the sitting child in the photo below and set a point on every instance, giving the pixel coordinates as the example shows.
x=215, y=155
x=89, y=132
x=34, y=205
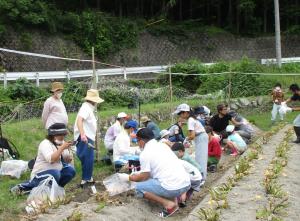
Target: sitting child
x=164, y=137
x=196, y=180
x=214, y=150
x=234, y=141
x=179, y=150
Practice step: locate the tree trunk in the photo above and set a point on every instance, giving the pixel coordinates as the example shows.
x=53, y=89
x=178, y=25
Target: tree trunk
x=180, y=10
x=265, y=16
x=229, y=15
x=219, y=12
x=237, y=16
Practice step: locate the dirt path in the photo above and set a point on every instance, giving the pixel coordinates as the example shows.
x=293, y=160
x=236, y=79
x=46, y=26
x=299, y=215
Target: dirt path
x=290, y=180
x=248, y=195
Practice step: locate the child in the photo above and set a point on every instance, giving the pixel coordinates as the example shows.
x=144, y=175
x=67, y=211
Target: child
x=196, y=180
x=214, y=150
x=179, y=150
x=164, y=137
x=277, y=98
x=234, y=141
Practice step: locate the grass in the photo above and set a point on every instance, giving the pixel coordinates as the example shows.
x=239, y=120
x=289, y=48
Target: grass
x=27, y=135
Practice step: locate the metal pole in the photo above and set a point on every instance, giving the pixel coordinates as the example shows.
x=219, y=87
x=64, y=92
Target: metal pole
x=125, y=73
x=94, y=82
x=4, y=79
x=37, y=79
x=170, y=82
x=68, y=75
x=277, y=32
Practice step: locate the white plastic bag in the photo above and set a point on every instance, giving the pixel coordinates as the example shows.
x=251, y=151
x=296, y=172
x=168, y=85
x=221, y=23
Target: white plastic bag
x=284, y=109
x=114, y=185
x=47, y=190
x=13, y=168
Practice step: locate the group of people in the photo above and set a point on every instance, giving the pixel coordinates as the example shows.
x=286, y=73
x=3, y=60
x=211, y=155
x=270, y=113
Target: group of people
x=167, y=171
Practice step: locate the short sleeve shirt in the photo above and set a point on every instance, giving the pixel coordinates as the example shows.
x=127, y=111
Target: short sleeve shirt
x=195, y=125
x=219, y=124
x=89, y=121
x=295, y=97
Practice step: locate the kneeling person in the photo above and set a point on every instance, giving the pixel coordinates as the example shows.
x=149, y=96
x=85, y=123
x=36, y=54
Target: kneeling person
x=234, y=141
x=53, y=159
x=162, y=178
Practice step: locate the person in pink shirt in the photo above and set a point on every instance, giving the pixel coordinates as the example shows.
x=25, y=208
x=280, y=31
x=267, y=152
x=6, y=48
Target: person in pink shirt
x=54, y=110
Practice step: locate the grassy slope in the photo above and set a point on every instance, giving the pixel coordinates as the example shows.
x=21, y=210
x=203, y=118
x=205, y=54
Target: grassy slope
x=28, y=134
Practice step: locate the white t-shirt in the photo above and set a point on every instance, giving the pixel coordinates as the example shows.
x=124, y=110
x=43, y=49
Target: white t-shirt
x=54, y=111
x=89, y=121
x=122, y=146
x=163, y=165
x=111, y=134
x=195, y=125
x=43, y=159
x=193, y=172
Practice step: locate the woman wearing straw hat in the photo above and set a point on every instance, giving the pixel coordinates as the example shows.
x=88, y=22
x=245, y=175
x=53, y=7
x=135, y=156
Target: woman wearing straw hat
x=54, y=110
x=85, y=134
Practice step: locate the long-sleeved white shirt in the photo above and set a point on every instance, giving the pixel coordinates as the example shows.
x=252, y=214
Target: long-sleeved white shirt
x=54, y=111
x=122, y=146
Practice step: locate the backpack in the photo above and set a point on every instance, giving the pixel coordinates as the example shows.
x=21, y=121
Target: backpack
x=6, y=144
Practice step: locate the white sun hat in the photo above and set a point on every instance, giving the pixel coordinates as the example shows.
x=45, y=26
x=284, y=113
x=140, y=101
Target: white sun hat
x=164, y=133
x=230, y=128
x=121, y=115
x=182, y=107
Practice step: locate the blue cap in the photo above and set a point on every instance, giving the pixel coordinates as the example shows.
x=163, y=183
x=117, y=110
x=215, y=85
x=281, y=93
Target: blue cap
x=131, y=124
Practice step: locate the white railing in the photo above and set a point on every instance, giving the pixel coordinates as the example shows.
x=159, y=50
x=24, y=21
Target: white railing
x=47, y=75
x=283, y=60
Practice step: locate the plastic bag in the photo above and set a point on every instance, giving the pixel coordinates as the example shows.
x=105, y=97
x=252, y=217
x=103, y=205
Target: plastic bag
x=13, y=168
x=114, y=185
x=47, y=190
x=284, y=109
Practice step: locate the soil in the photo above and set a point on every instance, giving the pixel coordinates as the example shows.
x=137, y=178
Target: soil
x=244, y=199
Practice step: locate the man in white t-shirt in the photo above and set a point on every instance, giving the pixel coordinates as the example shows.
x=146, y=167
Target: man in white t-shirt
x=162, y=178
x=113, y=131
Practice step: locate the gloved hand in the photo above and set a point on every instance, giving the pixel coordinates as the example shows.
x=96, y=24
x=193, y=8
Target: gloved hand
x=124, y=177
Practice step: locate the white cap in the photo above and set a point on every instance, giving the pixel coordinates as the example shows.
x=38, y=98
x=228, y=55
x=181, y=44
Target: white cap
x=182, y=107
x=277, y=89
x=230, y=128
x=121, y=115
x=164, y=133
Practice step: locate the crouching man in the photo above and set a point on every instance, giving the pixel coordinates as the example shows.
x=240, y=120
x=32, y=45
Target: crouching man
x=162, y=178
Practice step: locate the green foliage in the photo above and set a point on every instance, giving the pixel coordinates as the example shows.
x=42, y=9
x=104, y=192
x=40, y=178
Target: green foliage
x=73, y=93
x=22, y=89
x=26, y=41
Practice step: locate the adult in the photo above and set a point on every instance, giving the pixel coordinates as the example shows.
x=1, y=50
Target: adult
x=152, y=126
x=113, y=131
x=123, y=151
x=164, y=137
x=294, y=88
x=220, y=121
x=53, y=159
x=85, y=134
x=277, y=97
x=162, y=178
x=196, y=133
x=54, y=110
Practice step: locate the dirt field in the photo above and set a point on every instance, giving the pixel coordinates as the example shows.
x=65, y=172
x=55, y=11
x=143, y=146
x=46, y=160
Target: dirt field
x=244, y=199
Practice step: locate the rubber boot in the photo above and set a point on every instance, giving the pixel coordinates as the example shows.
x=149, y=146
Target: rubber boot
x=297, y=132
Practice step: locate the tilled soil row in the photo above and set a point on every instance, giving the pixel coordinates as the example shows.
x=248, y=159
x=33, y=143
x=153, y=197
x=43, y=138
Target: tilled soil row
x=248, y=194
x=290, y=180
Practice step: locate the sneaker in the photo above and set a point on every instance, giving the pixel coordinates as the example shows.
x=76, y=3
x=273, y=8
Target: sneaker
x=16, y=190
x=182, y=204
x=234, y=154
x=168, y=212
x=202, y=182
x=212, y=168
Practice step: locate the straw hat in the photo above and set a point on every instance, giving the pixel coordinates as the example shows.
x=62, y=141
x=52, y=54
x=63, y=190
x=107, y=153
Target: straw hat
x=55, y=86
x=121, y=115
x=145, y=119
x=93, y=95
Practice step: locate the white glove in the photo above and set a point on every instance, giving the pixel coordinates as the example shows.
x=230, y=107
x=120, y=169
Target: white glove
x=288, y=109
x=124, y=177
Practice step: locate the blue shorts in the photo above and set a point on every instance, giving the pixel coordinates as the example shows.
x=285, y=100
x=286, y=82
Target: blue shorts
x=154, y=186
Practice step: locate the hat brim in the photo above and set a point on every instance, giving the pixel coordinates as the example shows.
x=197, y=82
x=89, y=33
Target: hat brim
x=97, y=100
x=57, y=89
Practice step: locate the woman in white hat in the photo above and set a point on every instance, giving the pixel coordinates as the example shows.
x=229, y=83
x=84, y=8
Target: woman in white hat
x=164, y=137
x=85, y=134
x=54, y=110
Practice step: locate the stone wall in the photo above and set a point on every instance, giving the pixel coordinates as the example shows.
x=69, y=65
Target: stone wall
x=151, y=50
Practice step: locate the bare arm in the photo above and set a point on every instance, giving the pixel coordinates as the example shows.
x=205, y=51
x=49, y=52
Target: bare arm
x=81, y=130
x=191, y=135
x=56, y=155
x=45, y=113
x=139, y=177
x=235, y=122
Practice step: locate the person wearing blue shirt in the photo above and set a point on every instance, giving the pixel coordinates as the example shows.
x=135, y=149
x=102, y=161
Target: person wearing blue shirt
x=152, y=126
x=234, y=141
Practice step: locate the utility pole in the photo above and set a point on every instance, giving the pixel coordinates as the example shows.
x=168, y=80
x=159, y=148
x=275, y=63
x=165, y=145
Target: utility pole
x=277, y=32
x=94, y=81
